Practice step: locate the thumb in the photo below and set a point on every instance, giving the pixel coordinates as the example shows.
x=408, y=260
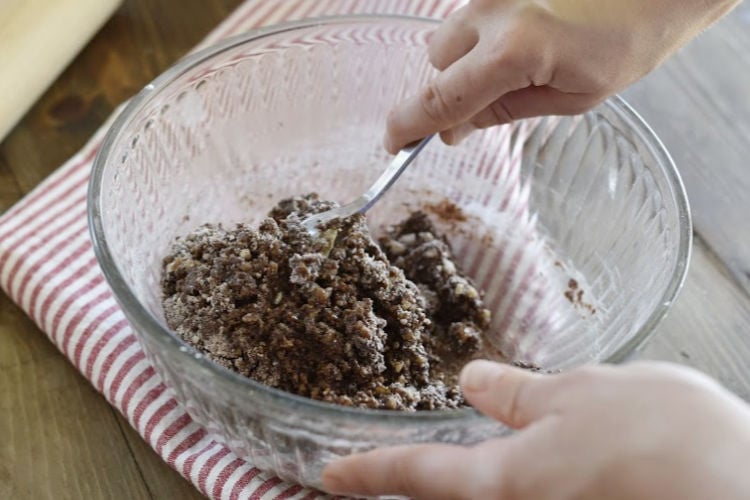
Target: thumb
x=514, y=396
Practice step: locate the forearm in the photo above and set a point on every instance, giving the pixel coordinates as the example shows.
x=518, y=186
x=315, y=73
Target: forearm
x=660, y=27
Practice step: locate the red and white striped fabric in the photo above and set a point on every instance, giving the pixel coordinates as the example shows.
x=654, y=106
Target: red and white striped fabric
x=47, y=266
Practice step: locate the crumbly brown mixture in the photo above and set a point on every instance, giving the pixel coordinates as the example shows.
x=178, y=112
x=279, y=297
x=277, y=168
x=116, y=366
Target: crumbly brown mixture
x=335, y=317
x=446, y=210
x=574, y=294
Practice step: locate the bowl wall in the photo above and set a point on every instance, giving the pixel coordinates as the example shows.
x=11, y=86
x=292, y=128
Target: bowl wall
x=227, y=133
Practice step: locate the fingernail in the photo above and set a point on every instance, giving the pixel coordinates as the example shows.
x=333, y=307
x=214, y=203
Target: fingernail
x=460, y=135
x=448, y=137
x=388, y=144
x=475, y=376
x=454, y=136
x=462, y=132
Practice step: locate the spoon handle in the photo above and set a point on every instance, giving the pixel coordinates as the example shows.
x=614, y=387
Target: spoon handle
x=368, y=199
x=392, y=173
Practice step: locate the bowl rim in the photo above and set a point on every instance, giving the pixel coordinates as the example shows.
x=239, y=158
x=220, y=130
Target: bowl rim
x=144, y=322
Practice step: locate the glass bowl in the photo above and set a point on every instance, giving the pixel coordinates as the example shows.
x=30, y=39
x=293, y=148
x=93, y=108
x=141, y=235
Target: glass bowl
x=552, y=208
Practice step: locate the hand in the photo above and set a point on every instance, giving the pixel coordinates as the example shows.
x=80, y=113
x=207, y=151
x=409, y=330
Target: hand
x=502, y=60
x=642, y=431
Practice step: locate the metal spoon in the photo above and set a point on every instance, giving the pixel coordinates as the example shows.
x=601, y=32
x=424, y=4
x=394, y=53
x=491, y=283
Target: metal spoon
x=372, y=195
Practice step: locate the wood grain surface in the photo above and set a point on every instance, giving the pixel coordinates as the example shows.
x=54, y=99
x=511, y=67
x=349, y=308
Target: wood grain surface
x=699, y=104
x=62, y=440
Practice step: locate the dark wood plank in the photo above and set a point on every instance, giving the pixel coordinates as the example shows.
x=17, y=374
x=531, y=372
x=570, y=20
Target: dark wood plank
x=142, y=39
x=59, y=436
x=10, y=191
x=161, y=480
x=699, y=104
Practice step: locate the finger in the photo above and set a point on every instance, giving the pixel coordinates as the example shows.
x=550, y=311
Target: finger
x=455, y=95
x=455, y=135
x=452, y=40
x=514, y=396
x=530, y=102
x=420, y=471
x=538, y=101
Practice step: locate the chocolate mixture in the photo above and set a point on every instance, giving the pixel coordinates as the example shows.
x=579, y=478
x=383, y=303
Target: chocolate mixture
x=336, y=317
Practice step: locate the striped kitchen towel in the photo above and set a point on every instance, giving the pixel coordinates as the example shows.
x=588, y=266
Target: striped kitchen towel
x=47, y=266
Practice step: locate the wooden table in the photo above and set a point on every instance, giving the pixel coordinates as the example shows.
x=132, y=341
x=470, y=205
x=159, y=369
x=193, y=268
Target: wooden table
x=60, y=439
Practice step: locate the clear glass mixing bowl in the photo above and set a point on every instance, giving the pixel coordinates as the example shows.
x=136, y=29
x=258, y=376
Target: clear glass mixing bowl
x=301, y=107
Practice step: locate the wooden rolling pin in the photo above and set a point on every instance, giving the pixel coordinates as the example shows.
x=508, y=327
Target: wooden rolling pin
x=38, y=38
